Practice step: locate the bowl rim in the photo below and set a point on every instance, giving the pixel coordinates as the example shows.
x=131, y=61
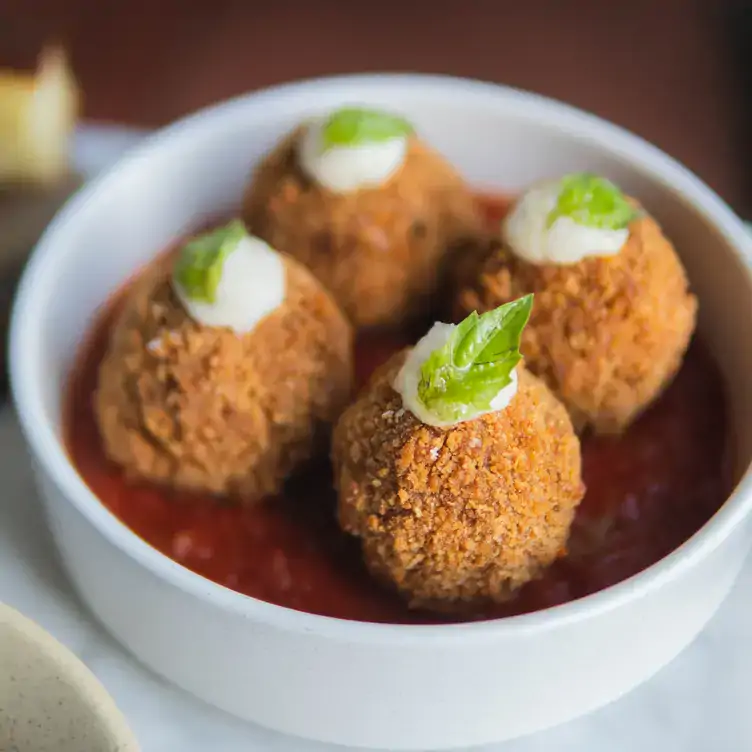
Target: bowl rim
x=50, y=451
x=72, y=671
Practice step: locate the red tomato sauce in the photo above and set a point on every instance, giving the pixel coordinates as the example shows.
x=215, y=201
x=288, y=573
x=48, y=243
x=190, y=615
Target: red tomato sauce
x=648, y=492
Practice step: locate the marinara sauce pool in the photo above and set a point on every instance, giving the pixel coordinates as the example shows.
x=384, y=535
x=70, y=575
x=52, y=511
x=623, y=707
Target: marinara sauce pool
x=648, y=491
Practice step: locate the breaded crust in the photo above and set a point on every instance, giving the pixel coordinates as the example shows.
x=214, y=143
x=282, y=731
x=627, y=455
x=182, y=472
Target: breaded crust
x=203, y=409
x=606, y=334
x=455, y=518
x=380, y=251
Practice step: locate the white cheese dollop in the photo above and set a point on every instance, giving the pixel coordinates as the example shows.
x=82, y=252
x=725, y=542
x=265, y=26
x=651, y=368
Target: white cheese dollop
x=251, y=286
x=407, y=380
x=342, y=169
x=525, y=230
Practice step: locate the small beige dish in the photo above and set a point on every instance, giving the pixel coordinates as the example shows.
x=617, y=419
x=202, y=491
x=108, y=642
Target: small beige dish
x=49, y=701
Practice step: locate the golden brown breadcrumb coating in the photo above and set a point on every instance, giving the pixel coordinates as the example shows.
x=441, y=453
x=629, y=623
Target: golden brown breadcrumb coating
x=455, y=518
x=380, y=251
x=203, y=409
x=606, y=334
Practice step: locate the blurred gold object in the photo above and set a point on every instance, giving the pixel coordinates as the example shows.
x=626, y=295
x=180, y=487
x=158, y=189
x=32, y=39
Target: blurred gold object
x=38, y=112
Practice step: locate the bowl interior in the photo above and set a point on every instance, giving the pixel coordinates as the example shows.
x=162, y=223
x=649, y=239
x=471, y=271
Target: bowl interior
x=500, y=139
x=48, y=699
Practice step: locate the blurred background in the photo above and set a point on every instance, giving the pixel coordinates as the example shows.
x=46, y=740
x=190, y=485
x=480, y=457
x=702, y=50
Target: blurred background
x=673, y=71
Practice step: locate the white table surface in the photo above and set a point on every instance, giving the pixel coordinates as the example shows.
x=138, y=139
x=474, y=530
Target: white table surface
x=702, y=702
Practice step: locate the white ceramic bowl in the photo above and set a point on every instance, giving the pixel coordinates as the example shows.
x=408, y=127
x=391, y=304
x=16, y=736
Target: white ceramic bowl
x=50, y=701
x=397, y=687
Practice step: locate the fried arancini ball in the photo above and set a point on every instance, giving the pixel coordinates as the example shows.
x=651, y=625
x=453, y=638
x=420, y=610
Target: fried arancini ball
x=202, y=409
x=607, y=334
x=457, y=518
x=379, y=250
